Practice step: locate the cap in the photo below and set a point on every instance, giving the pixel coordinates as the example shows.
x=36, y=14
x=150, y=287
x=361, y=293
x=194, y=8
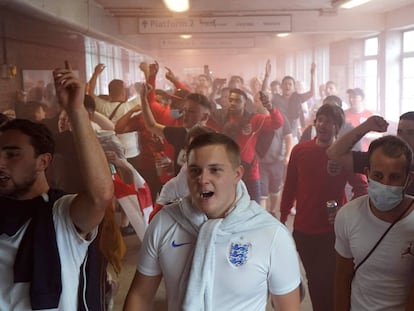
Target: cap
x=180, y=94
x=356, y=91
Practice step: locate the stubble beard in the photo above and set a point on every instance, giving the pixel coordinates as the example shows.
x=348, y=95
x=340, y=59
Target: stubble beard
x=20, y=189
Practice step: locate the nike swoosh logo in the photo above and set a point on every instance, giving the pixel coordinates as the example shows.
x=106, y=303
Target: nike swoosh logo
x=173, y=244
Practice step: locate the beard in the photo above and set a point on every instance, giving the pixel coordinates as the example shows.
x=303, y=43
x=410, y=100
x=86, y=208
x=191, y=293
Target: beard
x=19, y=189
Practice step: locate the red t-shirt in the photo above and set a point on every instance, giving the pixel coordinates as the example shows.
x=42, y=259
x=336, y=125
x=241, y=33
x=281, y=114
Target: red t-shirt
x=309, y=183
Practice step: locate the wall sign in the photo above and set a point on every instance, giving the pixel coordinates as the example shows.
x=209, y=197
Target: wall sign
x=222, y=24
x=207, y=43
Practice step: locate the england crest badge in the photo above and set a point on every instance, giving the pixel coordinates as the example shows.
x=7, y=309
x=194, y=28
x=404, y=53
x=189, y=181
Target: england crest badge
x=239, y=253
x=247, y=129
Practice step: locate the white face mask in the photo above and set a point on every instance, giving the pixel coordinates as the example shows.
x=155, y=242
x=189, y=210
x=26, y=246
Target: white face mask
x=176, y=113
x=385, y=197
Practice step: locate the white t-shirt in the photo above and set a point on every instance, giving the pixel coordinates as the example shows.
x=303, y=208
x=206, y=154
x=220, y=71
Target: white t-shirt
x=106, y=107
x=129, y=140
x=271, y=265
x=383, y=281
x=72, y=251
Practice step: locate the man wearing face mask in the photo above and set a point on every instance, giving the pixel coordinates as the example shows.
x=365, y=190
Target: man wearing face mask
x=196, y=111
x=342, y=152
x=166, y=108
x=177, y=104
x=375, y=234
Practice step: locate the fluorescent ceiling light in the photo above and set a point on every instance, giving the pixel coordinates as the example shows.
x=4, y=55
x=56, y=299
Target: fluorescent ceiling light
x=177, y=5
x=353, y=3
x=185, y=36
x=283, y=34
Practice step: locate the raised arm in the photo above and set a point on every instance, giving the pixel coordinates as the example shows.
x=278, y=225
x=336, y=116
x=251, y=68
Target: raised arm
x=123, y=125
x=103, y=121
x=150, y=71
x=275, y=119
x=150, y=123
x=218, y=84
x=144, y=67
x=265, y=84
x=88, y=208
x=160, y=113
x=341, y=150
x=309, y=94
x=170, y=76
x=123, y=167
x=92, y=82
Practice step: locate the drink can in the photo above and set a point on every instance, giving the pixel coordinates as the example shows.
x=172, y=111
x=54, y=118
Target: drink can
x=331, y=209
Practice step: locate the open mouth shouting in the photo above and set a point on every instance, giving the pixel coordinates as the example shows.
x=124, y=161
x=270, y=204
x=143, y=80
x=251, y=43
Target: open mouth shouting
x=206, y=194
x=4, y=178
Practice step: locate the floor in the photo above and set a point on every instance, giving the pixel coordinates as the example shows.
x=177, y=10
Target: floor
x=128, y=271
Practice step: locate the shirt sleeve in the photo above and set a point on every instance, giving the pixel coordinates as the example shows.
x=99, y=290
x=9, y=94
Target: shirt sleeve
x=289, y=189
x=180, y=85
x=269, y=122
x=342, y=245
x=284, y=274
x=66, y=233
x=148, y=263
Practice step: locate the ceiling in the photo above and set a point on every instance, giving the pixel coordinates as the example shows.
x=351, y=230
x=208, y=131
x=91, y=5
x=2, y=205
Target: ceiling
x=309, y=18
x=309, y=21
x=123, y=8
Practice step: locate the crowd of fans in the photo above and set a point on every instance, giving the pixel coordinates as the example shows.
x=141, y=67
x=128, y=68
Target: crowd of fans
x=284, y=135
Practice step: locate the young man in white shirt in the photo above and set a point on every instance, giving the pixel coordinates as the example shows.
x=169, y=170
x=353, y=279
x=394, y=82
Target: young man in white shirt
x=216, y=249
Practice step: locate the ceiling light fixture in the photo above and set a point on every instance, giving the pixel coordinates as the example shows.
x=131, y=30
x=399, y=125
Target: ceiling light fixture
x=186, y=36
x=353, y=3
x=177, y=5
x=283, y=34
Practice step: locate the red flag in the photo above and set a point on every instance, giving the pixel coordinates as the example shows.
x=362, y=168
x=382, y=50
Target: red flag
x=135, y=199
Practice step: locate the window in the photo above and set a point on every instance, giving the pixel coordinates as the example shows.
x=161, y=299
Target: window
x=366, y=73
x=120, y=64
x=407, y=98
x=371, y=47
x=408, y=41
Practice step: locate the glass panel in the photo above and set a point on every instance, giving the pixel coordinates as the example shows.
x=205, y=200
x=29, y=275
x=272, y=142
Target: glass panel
x=371, y=47
x=408, y=67
x=407, y=84
x=371, y=85
x=408, y=41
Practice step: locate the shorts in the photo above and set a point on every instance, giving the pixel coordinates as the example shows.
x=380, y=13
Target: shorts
x=271, y=175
